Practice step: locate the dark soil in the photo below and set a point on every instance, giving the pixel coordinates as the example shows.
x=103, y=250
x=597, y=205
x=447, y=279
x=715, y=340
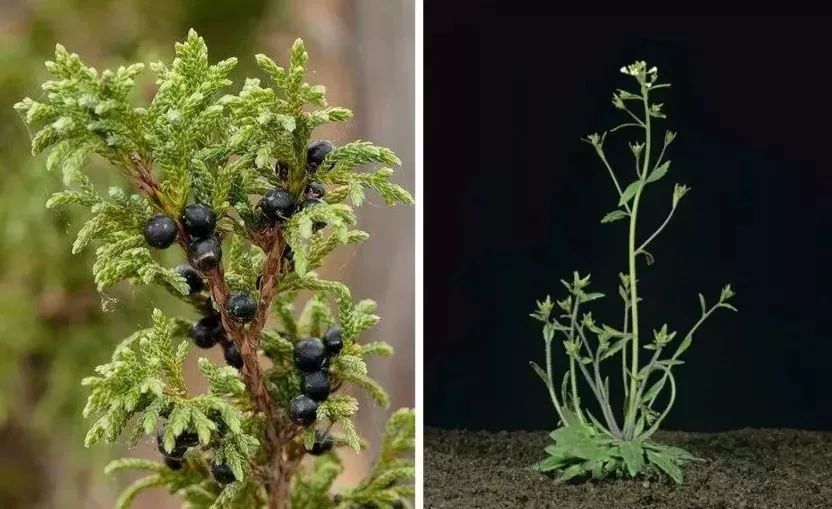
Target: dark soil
x=743, y=469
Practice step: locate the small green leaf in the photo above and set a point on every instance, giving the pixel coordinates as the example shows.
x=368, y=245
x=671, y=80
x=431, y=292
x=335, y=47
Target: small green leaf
x=615, y=348
x=666, y=465
x=628, y=193
x=654, y=390
x=571, y=473
x=633, y=456
x=684, y=345
x=589, y=297
x=615, y=215
x=548, y=464
x=659, y=172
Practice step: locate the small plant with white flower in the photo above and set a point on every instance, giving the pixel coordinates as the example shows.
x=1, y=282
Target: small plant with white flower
x=600, y=442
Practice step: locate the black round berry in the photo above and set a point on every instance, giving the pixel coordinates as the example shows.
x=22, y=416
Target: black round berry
x=310, y=354
x=232, y=355
x=305, y=204
x=303, y=410
x=206, y=254
x=173, y=463
x=206, y=331
x=178, y=449
x=288, y=254
x=315, y=190
x=333, y=341
x=222, y=473
x=192, y=277
x=277, y=204
x=316, y=151
x=199, y=220
x=160, y=231
x=188, y=439
x=323, y=442
x=281, y=169
x=241, y=307
x=315, y=384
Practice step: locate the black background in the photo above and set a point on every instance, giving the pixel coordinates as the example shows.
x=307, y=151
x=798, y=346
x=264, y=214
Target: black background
x=514, y=198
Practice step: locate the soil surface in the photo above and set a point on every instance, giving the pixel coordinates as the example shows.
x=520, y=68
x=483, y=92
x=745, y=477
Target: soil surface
x=743, y=469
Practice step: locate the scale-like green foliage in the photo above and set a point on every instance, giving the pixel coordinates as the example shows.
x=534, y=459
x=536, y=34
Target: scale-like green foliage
x=597, y=445
x=388, y=482
x=190, y=144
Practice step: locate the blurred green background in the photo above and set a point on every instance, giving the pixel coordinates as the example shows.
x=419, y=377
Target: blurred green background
x=54, y=327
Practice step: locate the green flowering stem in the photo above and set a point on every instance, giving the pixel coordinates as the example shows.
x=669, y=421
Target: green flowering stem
x=594, y=448
x=632, y=252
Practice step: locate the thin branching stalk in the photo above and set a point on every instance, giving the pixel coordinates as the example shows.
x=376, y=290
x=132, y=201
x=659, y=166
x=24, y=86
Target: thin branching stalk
x=596, y=448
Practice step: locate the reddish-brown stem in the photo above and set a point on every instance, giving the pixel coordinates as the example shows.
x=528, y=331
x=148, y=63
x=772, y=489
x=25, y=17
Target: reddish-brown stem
x=283, y=454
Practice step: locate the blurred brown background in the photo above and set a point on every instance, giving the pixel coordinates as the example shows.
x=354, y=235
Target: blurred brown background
x=53, y=326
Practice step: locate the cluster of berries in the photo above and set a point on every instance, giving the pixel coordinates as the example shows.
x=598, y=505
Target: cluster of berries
x=199, y=222
x=221, y=472
x=208, y=330
x=205, y=253
x=184, y=441
x=312, y=357
x=277, y=205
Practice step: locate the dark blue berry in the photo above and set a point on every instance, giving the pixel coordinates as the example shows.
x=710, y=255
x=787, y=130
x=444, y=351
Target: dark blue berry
x=222, y=474
x=206, y=254
x=333, y=341
x=316, y=151
x=173, y=463
x=160, y=231
x=199, y=220
x=315, y=190
x=178, y=449
x=309, y=354
x=206, y=331
x=323, y=443
x=277, y=204
x=303, y=410
x=188, y=439
x=232, y=355
x=192, y=277
x=315, y=384
x=241, y=307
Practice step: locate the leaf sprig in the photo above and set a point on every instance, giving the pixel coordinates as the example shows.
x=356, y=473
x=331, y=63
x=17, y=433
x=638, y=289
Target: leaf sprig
x=196, y=143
